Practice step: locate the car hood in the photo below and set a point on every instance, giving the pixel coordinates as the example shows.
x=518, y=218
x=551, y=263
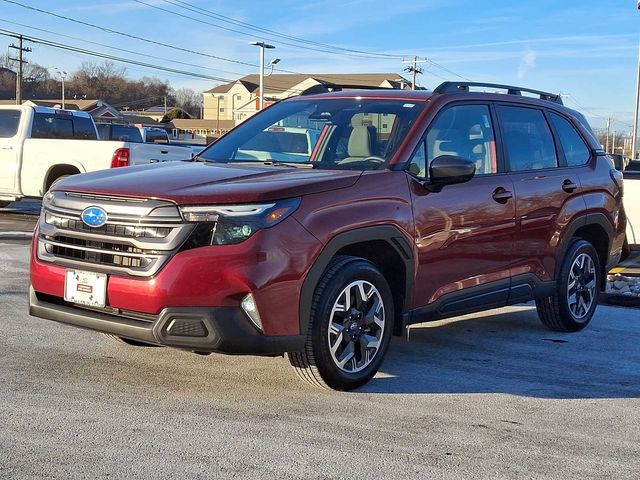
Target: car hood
x=193, y=183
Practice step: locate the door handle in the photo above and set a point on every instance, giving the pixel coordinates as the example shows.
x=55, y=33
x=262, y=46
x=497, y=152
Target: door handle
x=7, y=147
x=502, y=195
x=164, y=151
x=569, y=186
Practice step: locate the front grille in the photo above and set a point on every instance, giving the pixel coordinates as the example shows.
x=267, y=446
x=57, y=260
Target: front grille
x=140, y=236
x=135, y=231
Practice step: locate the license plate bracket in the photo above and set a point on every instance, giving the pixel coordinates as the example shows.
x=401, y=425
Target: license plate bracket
x=85, y=288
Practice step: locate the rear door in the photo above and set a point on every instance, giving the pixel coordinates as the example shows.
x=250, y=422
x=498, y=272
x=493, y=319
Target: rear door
x=547, y=190
x=9, y=149
x=465, y=232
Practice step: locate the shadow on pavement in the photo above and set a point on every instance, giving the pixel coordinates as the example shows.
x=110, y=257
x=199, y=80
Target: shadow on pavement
x=511, y=352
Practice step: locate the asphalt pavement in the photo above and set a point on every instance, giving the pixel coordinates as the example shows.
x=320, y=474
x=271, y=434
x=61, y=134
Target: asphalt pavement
x=484, y=396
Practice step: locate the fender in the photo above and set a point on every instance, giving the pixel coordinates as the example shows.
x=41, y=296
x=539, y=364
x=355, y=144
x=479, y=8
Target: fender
x=389, y=233
x=70, y=163
x=580, y=221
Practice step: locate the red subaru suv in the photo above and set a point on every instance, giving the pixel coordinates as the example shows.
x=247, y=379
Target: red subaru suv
x=325, y=224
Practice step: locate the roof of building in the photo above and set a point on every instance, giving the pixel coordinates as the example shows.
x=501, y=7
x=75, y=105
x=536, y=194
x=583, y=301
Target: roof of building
x=69, y=103
x=283, y=82
x=199, y=124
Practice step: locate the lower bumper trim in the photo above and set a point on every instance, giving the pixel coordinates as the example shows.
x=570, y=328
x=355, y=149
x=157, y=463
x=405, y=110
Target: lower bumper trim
x=209, y=329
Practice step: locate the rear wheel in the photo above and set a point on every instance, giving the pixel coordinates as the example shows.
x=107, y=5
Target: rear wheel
x=572, y=306
x=350, y=326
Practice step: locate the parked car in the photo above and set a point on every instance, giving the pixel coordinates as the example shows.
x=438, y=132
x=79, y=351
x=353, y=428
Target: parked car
x=620, y=161
x=40, y=145
x=468, y=202
x=152, y=143
x=283, y=144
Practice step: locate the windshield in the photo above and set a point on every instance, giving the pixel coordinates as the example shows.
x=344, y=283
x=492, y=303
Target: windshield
x=338, y=133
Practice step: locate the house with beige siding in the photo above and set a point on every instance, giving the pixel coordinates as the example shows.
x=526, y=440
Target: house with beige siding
x=237, y=101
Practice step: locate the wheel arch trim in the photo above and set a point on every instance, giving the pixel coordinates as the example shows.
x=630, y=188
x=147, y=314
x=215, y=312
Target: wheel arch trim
x=388, y=233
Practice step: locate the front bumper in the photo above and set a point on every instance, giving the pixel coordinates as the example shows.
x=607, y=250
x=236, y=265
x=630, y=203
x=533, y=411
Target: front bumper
x=202, y=329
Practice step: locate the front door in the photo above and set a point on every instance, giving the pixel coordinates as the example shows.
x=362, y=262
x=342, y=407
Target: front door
x=465, y=232
x=9, y=150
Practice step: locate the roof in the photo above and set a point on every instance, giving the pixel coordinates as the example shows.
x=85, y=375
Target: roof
x=283, y=82
x=196, y=123
x=69, y=103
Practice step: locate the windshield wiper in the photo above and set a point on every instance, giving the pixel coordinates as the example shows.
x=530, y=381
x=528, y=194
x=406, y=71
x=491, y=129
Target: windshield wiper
x=275, y=163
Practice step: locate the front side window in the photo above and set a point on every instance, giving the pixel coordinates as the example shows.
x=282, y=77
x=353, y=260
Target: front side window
x=575, y=151
x=337, y=133
x=464, y=131
x=527, y=139
x=9, y=122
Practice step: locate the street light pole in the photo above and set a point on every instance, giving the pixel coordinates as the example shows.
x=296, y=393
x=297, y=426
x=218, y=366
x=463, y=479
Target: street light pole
x=262, y=46
x=63, y=75
x=634, y=136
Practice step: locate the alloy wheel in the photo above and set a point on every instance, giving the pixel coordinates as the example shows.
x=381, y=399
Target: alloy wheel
x=356, y=327
x=581, y=289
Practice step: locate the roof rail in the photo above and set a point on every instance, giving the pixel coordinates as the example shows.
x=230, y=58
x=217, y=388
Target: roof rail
x=457, y=87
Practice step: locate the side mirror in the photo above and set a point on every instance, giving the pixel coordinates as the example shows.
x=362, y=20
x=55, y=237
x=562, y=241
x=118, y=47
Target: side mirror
x=449, y=170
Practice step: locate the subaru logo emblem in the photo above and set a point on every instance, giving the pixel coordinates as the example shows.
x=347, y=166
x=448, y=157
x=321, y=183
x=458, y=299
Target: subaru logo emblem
x=94, y=217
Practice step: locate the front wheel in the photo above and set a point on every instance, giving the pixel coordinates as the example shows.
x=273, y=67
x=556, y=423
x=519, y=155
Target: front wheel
x=572, y=306
x=350, y=326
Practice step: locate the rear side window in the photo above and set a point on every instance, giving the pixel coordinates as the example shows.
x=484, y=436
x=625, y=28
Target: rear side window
x=83, y=128
x=574, y=148
x=527, y=139
x=9, y=121
x=50, y=125
x=126, y=134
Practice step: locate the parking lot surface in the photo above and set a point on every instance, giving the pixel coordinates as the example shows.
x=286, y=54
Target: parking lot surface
x=486, y=396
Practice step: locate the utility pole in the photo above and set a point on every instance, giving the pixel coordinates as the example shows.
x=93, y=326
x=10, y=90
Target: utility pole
x=613, y=141
x=165, y=104
x=21, y=61
x=413, y=68
x=606, y=148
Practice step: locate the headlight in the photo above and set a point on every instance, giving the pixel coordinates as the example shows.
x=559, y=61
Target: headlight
x=228, y=224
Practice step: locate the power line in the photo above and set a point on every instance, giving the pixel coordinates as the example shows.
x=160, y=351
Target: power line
x=128, y=35
x=70, y=48
x=118, y=48
x=323, y=46
x=112, y=57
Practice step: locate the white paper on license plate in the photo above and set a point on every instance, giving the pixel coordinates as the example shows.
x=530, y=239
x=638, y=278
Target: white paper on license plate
x=85, y=288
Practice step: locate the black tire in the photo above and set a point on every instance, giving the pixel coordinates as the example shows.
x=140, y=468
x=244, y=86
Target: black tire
x=556, y=312
x=4, y=204
x=315, y=364
x=128, y=341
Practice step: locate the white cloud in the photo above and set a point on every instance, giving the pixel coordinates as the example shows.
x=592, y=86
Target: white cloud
x=527, y=62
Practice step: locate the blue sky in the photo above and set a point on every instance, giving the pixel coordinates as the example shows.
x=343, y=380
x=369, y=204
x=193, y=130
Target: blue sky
x=586, y=50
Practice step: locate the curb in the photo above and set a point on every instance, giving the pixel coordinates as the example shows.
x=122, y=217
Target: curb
x=619, y=300
x=15, y=235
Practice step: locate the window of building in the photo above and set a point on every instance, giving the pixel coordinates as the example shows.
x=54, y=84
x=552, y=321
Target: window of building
x=222, y=109
x=575, y=151
x=527, y=139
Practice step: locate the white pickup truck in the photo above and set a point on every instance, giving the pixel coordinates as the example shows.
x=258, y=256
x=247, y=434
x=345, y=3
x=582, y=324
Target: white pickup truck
x=632, y=202
x=39, y=145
